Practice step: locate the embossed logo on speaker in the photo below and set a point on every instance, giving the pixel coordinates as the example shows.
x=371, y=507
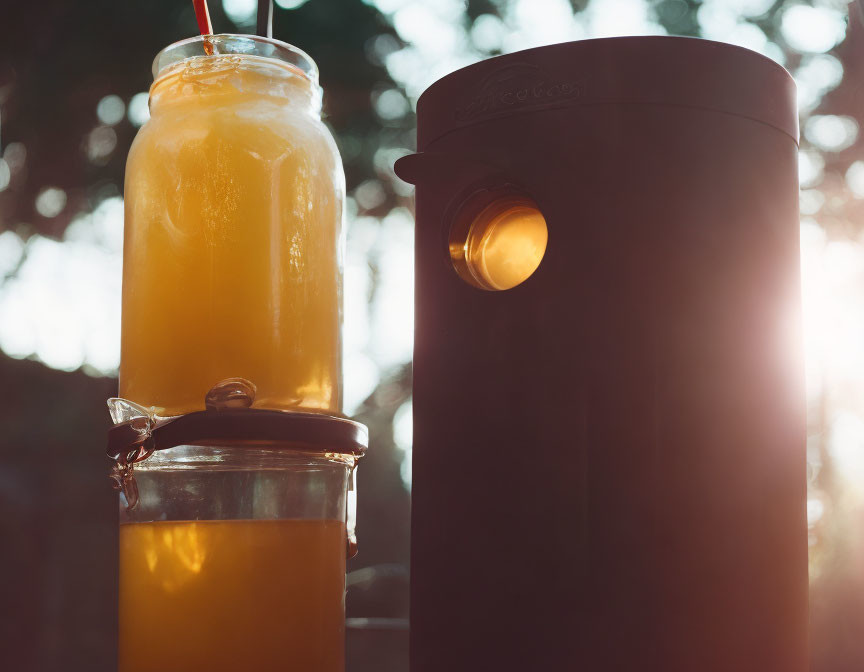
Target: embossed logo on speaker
x=516, y=86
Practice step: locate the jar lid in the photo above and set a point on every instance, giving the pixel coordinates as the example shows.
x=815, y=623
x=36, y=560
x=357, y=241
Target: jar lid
x=238, y=427
x=653, y=70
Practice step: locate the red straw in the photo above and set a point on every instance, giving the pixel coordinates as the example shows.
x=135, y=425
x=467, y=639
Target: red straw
x=202, y=14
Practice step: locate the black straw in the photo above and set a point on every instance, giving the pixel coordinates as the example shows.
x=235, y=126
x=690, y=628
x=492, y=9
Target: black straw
x=264, y=26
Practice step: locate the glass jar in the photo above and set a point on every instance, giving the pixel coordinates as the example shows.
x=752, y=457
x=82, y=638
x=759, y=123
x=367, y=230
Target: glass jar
x=233, y=232
x=233, y=558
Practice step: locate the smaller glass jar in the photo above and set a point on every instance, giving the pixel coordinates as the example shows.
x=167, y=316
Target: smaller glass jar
x=232, y=557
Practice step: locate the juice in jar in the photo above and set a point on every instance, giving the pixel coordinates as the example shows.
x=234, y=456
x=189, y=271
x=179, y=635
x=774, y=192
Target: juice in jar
x=223, y=596
x=233, y=236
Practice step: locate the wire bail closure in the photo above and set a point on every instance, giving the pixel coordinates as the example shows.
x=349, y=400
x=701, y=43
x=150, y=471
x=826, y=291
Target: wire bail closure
x=122, y=476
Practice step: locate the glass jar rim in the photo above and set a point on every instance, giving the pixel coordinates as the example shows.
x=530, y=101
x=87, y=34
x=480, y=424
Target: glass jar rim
x=226, y=44
x=243, y=458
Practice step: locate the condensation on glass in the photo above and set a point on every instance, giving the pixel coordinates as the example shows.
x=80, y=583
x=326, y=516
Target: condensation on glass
x=233, y=234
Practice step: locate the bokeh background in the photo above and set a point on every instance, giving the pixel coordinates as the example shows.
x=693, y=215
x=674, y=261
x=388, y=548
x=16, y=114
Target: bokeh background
x=73, y=91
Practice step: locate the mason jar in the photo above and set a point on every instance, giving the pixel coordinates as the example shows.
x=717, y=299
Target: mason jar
x=232, y=551
x=233, y=232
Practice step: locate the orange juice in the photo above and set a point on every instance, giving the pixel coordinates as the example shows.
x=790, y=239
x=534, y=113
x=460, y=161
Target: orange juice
x=232, y=596
x=232, y=251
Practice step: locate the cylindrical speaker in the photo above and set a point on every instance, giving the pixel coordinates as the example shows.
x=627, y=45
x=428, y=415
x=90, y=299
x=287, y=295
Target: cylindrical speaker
x=609, y=461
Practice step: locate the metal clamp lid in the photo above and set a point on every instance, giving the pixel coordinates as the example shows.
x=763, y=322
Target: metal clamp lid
x=137, y=434
x=238, y=427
